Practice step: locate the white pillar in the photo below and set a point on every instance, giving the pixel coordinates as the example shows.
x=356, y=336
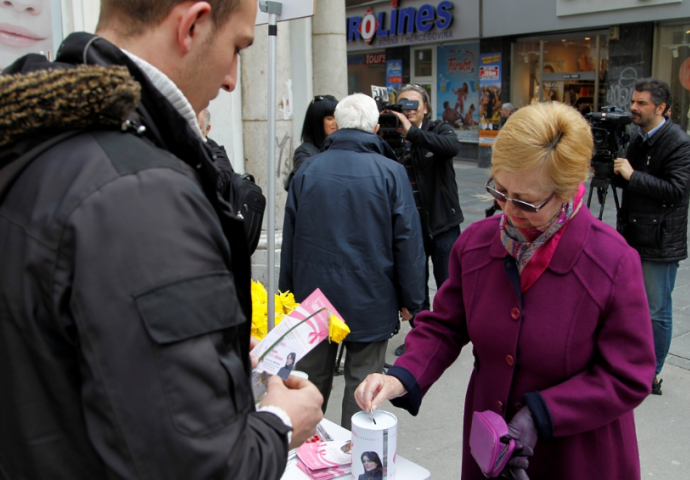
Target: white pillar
x=302, y=73
x=329, y=48
x=255, y=126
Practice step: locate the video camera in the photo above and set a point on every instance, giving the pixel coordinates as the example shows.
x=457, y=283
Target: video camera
x=608, y=133
x=389, y=123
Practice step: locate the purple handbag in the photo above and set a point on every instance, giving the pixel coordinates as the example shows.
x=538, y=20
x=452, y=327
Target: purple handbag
x=490, y=453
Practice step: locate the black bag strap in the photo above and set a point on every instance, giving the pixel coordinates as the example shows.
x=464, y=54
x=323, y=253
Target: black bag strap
x=10, y=173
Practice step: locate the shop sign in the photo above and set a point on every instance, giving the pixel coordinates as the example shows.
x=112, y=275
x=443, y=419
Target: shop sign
x=577, y=7
x=458, y=92
x=684, y=74
x=394, y=76
x=367, y=59
x=490, y=98
x=426, y=23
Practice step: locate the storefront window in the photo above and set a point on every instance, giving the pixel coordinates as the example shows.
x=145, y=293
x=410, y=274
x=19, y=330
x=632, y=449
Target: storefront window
x=570, y=69
x=673, y=66
x=365, y=71
x=423, y=62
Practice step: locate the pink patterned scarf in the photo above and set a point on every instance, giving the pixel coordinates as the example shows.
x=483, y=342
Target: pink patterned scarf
x=533, y=248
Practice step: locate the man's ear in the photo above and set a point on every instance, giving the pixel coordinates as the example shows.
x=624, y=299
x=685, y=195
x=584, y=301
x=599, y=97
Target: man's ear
x=190, y=17
x=660, y=109
x=376, y=128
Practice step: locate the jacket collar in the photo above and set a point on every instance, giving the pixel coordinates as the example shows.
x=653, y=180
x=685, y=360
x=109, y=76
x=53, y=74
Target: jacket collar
x=166, y=127
x=659, y=133
x=569, y=248
x=358, y=141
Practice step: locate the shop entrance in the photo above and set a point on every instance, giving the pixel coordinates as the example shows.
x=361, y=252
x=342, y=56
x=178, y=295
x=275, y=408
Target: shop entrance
x=424, y=70
x=565, y=68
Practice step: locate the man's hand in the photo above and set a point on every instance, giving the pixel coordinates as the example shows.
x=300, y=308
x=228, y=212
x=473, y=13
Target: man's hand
x=622, y=167
x=301, y=400
x=376, y=389
x=253, y=342
x=404, y=121
x=405, y=315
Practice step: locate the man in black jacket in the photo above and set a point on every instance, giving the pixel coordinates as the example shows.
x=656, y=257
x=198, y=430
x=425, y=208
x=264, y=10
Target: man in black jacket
x=427, y=155
x=653, y=218
x=125, y=282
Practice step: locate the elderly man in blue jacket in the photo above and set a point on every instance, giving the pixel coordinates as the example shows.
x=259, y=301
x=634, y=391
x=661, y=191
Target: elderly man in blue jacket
x=351, y=229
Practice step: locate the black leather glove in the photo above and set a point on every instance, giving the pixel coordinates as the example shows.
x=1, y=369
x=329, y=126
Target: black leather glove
x=521, y=429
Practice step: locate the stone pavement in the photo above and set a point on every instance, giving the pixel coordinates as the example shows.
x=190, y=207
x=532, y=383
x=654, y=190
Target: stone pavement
x=433, y=439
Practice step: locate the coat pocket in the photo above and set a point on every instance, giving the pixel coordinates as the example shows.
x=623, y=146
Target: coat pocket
x=644, y=229
x=192, y=323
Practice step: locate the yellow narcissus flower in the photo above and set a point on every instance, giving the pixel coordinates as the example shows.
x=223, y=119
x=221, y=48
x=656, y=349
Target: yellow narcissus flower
x=284, y=304
x=287, y=300
x=337, y=329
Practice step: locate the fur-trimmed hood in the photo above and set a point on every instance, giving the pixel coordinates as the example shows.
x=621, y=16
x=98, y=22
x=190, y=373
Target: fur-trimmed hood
x=65, y=99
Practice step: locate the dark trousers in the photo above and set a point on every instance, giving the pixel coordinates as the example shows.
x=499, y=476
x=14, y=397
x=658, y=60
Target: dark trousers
x=361, y=359
x=438, y=250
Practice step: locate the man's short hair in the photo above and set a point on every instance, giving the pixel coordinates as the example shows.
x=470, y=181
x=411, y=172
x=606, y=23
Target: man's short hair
x=357, y=111
x=143, y=14
x=658, y=89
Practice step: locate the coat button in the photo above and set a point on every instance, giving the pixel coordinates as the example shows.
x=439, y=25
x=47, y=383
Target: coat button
x=499, y=404
x=510, y=360
x=515, y=313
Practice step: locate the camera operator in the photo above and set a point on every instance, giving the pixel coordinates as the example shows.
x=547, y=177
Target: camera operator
x=653, y=218
x=427, y=155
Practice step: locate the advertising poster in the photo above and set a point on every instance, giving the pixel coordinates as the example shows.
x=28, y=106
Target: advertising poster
x=458, y=89
x=26, y=30
x=490, y=99
x=394, y=74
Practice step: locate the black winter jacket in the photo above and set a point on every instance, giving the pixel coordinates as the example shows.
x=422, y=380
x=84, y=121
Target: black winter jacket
x=124, y=290
x=433, y=147
x=654, y=211
x=302, y=153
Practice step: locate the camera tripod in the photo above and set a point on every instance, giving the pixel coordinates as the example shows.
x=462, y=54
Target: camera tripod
x=602, y=185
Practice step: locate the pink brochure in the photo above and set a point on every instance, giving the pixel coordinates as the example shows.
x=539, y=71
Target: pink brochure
x=326, y=473
x=319, y=455
x=291, y=347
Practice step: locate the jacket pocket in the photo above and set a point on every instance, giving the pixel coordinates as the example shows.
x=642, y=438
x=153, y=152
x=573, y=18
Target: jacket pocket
x=644, y=229
x=193, y=324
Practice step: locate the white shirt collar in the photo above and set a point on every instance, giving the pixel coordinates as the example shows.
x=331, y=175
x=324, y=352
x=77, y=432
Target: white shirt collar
x=169, y=90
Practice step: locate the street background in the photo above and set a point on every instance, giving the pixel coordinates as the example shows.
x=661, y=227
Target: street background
x=433, y=439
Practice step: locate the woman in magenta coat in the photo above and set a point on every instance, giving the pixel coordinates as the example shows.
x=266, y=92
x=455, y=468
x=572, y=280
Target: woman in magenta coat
x=554, y=304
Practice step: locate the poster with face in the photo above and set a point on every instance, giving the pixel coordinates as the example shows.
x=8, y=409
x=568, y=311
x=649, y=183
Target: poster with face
x=458, y=89
x=29, y=26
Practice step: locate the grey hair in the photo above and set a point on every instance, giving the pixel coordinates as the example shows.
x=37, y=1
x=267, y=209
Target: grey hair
x=422, y=91
x=357, y=111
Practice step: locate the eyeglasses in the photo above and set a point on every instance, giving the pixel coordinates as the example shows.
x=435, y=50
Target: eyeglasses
x=318, y=98
x=524, y=206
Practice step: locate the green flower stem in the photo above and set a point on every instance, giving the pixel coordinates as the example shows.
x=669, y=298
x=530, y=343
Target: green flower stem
x=291, y=329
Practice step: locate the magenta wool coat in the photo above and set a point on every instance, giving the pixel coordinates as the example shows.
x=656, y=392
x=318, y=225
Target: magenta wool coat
x=577, y=347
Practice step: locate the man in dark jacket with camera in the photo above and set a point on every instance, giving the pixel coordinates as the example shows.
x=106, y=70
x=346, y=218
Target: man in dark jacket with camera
x=653, y=218
x=427, y=155
x=125, y=283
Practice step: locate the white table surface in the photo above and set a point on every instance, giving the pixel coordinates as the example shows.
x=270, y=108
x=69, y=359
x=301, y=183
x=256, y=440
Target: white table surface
x=405, y=470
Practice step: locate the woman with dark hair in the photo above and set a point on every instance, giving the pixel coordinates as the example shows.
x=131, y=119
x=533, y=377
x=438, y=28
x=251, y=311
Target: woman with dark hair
x=285, y=371
x=319, y=122
x=372, y=467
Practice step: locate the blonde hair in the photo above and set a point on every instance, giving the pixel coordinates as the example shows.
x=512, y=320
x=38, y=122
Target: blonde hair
x=549, y=137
